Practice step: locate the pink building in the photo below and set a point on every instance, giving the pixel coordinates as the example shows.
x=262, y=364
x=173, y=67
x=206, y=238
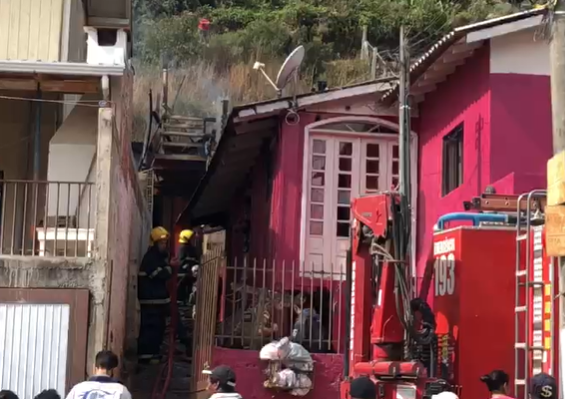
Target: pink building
x=281, y=181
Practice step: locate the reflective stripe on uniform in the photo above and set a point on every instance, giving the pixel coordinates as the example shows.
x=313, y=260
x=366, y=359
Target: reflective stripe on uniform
x=156, y=272
x=154, y=301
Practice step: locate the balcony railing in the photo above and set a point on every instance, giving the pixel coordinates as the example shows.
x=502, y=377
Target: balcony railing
x=264, y=300
x=46, y=218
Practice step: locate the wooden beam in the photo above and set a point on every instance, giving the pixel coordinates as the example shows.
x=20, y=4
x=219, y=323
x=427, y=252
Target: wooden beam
x=108, y=23
x=51, y=85
x=72, y=87
x=18, y=84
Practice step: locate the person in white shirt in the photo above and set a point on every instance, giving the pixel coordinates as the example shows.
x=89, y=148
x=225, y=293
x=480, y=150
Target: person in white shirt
x=101, y=385
x=221, y=383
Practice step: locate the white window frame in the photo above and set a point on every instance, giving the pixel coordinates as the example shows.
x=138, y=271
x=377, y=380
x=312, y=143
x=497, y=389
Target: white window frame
x=317, y=127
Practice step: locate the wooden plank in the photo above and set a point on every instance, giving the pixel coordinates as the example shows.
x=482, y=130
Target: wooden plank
x=114, y=23
x=556, y=179
x=183, y=145
x=57, y=86
x=555, y=230
x=181, y=134
x=189, y=126
x=180, y=157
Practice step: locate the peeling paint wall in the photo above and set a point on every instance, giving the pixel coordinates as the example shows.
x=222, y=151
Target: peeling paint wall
x=129, y=225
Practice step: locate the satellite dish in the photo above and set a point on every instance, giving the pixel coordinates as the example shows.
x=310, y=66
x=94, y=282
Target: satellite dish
x=288, y=69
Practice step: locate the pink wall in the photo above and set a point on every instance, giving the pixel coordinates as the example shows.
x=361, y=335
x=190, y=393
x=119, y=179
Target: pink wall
x=507, y=139
x=328, y=369
x=521, y=130
x=464, y=97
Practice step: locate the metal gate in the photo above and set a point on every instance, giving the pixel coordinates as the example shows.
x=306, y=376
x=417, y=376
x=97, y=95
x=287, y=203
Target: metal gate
x=43, y=339
x=211, y=268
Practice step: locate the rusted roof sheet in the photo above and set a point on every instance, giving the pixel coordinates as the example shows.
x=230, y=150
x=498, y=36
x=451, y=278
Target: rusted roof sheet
x=421, y=65
x=248, y=127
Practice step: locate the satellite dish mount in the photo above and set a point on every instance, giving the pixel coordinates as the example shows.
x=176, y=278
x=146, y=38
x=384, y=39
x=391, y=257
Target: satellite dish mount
x=288, y=69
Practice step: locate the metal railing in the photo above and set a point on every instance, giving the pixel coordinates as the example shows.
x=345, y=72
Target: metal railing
x=45, y=218
x=266, y=300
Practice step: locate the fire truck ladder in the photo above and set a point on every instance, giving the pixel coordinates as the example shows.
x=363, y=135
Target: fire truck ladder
x=530, y=353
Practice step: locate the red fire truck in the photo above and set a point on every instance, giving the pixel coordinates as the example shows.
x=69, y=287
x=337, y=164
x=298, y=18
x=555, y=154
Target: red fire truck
x=489, y=282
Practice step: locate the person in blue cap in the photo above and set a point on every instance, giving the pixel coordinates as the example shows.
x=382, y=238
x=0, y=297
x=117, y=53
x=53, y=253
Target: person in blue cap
x=543, y=386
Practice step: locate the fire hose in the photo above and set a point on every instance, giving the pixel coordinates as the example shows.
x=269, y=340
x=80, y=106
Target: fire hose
x=168, y=366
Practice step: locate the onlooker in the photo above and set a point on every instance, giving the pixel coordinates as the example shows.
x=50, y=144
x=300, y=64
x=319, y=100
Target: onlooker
x=221, y=382
x=48, y=394
x=5, y=394
x=363, y=388
x=543, y=386
x=102, y=384
x=497, y=383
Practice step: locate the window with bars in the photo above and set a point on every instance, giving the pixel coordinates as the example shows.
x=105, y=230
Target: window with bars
x=452, y=170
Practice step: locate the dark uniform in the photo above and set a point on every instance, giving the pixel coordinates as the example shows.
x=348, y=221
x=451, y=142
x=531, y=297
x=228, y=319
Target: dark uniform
x=189, y=256
x=154, y=301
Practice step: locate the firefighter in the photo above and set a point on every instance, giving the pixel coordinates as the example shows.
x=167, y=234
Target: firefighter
x=189, y=258
x=153, y=295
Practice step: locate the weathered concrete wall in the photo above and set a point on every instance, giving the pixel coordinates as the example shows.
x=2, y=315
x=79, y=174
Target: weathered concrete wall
x=128, y=226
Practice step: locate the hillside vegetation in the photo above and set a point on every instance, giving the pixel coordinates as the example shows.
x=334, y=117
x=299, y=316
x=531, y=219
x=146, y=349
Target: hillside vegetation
x=244, y=31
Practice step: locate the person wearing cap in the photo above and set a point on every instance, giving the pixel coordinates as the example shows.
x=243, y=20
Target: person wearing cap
x=153, y=296
x=362, y=388
x=543, y=386
x=221, y=383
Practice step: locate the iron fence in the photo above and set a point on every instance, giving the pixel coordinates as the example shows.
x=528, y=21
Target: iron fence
x=262, y=301
x=45, y=218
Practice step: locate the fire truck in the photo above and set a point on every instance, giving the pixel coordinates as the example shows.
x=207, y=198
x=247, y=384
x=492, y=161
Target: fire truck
x=489, y=282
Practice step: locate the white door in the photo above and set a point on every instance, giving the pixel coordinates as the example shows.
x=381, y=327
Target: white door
x=342, y=168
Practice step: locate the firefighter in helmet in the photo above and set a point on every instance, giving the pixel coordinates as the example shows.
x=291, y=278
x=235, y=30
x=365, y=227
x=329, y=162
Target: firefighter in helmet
x=153, y=295
x=189, y=259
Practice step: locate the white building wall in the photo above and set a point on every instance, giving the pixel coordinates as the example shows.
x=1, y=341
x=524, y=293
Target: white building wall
x=72, y=152
x=522, y=52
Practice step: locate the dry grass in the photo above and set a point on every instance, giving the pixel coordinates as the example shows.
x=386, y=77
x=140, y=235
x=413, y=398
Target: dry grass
x=195, y=89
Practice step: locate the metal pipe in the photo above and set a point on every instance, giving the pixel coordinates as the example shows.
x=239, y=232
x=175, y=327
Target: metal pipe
x=476, y=218
x=37, y=136
x=347, y=332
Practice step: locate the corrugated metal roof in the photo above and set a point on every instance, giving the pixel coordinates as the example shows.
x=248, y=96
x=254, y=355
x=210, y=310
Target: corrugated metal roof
x=427, y=59
x=34, y=340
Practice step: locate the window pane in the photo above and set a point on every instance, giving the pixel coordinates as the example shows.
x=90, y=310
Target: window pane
x=318, y=179
x=316, y=228
x=372, y=166
x=345, y=164
x=345, y=149
x=343, y=229
x=317, y=195
x=316, y=211
x=344, y=181
x=372, y=182
x=343, y=197
x=318, y=162
x=395, y=167
x=343, y=213
x=395, y=151
x=319, y=147
x=373, y=150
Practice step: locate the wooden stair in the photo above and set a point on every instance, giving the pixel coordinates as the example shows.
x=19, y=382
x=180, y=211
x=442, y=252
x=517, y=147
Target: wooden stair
x=183, y=139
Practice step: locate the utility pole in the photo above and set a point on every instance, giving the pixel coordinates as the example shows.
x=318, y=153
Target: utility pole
x=405, y=188
x=404, y=118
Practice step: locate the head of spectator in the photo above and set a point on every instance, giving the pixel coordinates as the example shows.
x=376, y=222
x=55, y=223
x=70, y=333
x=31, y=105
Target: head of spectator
x=496, y=382
x=105, y=363
x=48, y=394
x=543, y=386
x=5, y=394
x=363, y=388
